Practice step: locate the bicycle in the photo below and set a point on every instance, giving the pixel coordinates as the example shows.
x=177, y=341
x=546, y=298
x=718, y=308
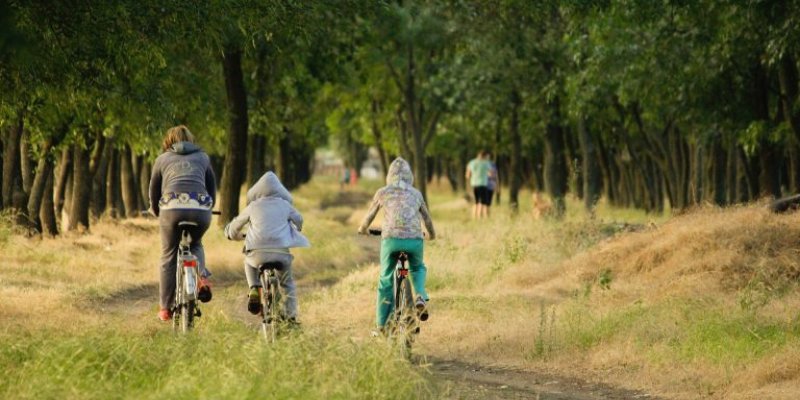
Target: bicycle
x=404, y=323
x=270, y=299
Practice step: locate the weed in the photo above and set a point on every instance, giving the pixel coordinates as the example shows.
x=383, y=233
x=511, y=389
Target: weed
x=604, y=280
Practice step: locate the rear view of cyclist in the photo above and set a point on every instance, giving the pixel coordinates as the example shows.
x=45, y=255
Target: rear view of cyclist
x=401, y=231
x=182, y=188
x=274, y=227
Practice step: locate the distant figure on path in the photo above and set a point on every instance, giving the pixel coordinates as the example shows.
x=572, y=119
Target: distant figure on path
x=478, y=175
x=345, y=178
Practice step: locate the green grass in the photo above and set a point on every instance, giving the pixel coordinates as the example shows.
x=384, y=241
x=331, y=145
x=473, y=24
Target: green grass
x=676, y=332
x=222, y=360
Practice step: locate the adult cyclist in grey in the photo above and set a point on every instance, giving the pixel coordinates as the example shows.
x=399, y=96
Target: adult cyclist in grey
x=182, y=188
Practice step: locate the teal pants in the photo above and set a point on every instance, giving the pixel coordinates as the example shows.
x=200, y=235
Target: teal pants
x=389, y=248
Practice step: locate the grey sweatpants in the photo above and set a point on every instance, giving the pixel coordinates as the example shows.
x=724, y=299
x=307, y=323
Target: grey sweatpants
x=170, y=238
x=257, y=257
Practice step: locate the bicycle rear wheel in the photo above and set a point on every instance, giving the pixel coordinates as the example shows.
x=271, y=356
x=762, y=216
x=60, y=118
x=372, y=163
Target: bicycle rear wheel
x=268, y=320
x=187, y=311
x=177, y=316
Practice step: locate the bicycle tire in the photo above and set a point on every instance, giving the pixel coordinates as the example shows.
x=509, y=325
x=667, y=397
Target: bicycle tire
x=187, y=322
x=274, y=312
x=405, y=316
x=265, y=305
x=176, y=312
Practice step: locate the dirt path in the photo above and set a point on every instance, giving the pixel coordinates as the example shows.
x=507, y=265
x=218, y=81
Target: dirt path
x=460, y=380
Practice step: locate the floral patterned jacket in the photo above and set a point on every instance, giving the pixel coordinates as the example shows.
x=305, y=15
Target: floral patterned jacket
x=403, y=206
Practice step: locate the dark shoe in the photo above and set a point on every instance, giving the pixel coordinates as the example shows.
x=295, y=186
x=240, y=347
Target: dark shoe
x=422, y=309
x=204, y=292
x=254, y=301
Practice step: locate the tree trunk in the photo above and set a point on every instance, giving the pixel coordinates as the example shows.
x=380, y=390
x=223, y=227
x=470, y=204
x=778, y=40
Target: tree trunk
x=112, y=185
x=378, y=135
x=25, y=162
x=555, y=164
x=145, y=171
x=99, y=175
x=81, y=189
x=255, y=158
x=44, y=171
x=720, y=170
x=12, y=179
x=516, y=152
x=47, y=213
x=788, y=80
x=64, y=172
x=130, y=192
x=769, y=178
x=591, y=168
x=233, y=172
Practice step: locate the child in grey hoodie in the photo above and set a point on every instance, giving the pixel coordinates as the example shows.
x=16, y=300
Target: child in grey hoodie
x=274, y=228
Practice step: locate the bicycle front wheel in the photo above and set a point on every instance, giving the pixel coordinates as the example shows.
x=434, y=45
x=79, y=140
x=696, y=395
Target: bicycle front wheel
x=405, y=315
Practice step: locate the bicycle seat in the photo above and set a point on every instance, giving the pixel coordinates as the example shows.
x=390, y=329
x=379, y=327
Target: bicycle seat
x=187, y=223
x=271, y=265
x=401, y=255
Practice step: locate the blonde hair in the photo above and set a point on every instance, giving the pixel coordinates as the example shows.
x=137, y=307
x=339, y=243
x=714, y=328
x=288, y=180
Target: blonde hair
x=177, y=134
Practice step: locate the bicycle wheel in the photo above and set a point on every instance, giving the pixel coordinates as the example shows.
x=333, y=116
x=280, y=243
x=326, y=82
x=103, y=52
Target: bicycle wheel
x=176, y=310
x=274, y=311
x=405, y=316
x=265, y=306
x=187, y=309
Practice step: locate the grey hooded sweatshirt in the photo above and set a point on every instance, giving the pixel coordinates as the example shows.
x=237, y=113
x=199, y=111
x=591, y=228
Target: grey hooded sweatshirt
x=274, y=222
x=185, y=168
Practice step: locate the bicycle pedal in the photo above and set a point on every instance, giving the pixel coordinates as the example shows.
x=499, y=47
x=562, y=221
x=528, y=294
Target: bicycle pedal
x=416, y=330
x=197, y=313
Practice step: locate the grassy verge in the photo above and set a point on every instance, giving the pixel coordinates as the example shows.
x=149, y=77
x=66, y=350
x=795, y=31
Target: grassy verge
x=223, y=360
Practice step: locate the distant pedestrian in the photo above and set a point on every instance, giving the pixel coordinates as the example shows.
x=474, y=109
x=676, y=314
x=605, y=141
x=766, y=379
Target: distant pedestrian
x=478, y=175
x=493, y=183
x=345, y=179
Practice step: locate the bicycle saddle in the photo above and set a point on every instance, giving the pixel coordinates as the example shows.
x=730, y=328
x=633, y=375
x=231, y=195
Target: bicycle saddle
x=271, y=265
x=187, y=223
